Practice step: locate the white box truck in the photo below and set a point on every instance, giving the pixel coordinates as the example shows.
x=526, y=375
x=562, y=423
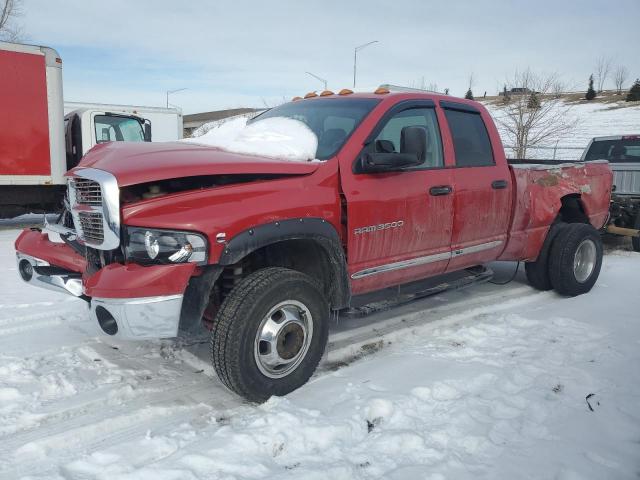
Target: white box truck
x=41, y=137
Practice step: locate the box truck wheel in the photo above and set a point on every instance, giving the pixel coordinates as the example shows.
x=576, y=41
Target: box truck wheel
x=575, y=259
x=538, y=271
x=270, y=333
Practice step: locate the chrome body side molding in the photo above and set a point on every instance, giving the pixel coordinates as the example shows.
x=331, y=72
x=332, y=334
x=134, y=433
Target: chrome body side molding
x=414, y=262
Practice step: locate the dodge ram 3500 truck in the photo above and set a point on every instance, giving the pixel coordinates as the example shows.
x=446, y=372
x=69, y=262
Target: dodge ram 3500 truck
x=165, y=237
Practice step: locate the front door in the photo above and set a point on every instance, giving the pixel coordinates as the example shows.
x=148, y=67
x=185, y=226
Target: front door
x=399, y=223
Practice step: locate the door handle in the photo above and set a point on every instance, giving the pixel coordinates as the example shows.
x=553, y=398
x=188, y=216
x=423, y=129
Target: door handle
x=499, y=184
x=440, y=190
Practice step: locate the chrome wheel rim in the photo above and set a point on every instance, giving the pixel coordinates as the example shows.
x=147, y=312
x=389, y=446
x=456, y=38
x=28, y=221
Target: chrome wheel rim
x=283, y=339
x=584, y=261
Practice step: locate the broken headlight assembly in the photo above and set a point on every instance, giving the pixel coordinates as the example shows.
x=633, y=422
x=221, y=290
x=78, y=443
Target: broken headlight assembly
x=151, y=246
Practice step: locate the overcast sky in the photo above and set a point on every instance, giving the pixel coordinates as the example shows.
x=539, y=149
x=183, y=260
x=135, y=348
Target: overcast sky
x=251, y=53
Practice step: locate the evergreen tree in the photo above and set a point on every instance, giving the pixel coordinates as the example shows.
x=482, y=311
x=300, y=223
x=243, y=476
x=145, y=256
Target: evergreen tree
x=634, y=92
x=534, y=102
x=469, y=95
x=591, y=93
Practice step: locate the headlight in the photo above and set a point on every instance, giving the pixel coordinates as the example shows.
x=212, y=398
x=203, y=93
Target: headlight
x=145, y=245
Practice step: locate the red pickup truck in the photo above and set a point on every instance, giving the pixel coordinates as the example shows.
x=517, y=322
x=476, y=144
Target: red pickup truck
x=161, y=238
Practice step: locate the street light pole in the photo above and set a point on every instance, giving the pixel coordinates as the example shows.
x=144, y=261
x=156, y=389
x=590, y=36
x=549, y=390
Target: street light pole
x=355, y=58
x=318, y=78
x=173, y=91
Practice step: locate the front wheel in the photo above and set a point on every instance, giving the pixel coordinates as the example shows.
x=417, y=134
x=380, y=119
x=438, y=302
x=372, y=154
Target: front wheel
x=270, y=333
x=575, y=259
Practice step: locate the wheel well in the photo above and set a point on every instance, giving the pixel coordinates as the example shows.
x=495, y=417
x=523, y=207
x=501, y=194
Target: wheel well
x=313, y=257
x=572, y=210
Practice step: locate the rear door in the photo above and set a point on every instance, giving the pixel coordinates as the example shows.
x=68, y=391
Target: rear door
x=482, y=188
x=399, y=223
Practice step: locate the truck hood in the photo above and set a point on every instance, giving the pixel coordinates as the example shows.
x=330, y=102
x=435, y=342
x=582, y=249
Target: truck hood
x=134, y=163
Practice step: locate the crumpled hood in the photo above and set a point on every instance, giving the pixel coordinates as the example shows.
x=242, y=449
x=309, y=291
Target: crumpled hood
x=133, y=163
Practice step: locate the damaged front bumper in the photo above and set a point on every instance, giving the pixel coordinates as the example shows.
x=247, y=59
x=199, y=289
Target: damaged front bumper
x=138, y=318
x=40, y=273
x=127, y=301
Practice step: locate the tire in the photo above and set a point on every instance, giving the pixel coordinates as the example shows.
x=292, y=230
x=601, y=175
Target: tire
x=568, y=275
x=635, y=241
x=538, y=271
x=282, y=300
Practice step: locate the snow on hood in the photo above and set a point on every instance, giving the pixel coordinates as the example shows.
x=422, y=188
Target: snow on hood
x=276, y=137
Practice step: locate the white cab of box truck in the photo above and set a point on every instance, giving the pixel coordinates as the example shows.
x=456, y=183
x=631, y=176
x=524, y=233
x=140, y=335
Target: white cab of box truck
x=41, y=136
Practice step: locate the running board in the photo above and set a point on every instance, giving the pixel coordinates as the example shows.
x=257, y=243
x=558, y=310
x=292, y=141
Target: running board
x=363, y=305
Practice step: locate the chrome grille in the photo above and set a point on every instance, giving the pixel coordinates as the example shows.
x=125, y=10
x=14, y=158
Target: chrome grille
x=94, y=205
x=88, y=192
x=91, y=226
x=626, y=178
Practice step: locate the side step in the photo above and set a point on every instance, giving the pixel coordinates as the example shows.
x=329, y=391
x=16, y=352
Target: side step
x=363, y=305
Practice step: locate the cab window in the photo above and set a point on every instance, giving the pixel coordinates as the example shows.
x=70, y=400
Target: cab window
x=471, y=142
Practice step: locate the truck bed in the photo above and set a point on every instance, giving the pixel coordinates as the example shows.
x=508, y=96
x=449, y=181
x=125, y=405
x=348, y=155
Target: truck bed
x=541, y=186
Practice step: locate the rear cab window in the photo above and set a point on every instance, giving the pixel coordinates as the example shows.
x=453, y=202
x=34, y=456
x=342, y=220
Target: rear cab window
x=471, y=143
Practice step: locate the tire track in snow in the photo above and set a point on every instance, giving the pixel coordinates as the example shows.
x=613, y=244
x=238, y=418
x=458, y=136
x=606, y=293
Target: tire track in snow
x=100, y=428
x=86, y=439
x=137, y=383
x=19, y=323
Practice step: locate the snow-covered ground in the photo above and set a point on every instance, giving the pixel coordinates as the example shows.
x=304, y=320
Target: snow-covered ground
x=496, y=382
x=592, y=120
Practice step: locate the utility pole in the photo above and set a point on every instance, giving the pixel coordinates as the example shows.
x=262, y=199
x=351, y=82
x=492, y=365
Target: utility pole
x=318, y=78
x=173, y=91
x=355, y=58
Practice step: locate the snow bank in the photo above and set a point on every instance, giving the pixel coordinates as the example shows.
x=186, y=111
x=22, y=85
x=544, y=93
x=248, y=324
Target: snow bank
x=593, y=120
x=277, y=137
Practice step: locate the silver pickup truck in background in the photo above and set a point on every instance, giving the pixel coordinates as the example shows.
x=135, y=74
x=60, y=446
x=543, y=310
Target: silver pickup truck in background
x=623, y=153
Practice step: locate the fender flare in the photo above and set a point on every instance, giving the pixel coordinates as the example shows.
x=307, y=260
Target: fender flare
x=314, y=229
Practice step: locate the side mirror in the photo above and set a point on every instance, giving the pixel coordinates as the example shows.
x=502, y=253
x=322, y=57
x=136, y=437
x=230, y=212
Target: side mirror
x=413, y=147
x=147, y=131
x=413, y=140
x=388, y=162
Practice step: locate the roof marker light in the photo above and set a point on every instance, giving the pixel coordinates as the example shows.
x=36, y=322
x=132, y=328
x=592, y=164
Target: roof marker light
x=381, y=91
x=311, y=95
x=326, y=93
x=345, y=91
x=295, y=99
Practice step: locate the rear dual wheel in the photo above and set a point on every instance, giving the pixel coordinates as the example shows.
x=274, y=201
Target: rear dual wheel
x=569, y=262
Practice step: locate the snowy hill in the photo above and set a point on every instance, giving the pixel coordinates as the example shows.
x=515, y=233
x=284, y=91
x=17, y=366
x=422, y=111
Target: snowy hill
x=594, y=119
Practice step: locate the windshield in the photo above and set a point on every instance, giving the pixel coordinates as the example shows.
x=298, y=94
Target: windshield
x=113, y=128
x=623, y=150
x=331, y=119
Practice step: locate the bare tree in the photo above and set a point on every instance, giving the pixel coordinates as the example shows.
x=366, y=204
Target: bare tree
x=421, y=84
x=537, y=117
x=10, y=11
x=620, y=76
x=603, y=68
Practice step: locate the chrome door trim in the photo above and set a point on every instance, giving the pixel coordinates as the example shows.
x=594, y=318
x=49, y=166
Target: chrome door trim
x=389, y=267
x=414, y=262
x=476, y=248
